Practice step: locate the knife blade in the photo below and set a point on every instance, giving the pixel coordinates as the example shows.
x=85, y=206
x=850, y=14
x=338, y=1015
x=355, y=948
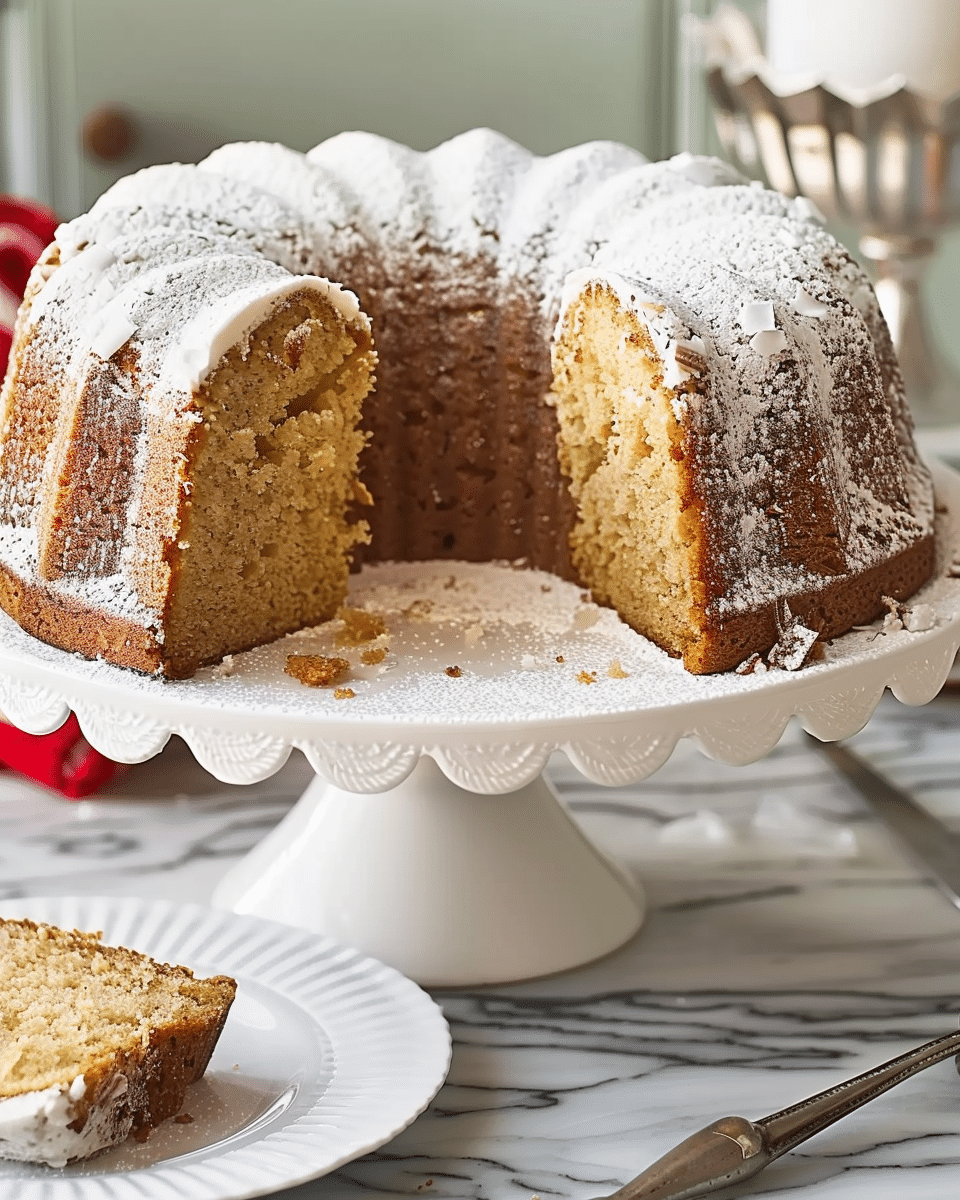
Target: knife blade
x=934, y=847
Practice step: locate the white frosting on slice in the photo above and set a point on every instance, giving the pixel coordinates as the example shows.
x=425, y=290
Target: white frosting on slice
x=211, y=333
x=768, y=342
x=35, y=1126
x=110, y=329
x=92, y=261
x=756, y=316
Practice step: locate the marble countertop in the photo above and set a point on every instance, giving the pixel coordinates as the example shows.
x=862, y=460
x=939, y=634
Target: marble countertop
x=789, y=945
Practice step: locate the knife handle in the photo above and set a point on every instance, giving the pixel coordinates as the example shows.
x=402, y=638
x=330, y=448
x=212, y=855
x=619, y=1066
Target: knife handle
x=728, y=1151
x=733, y=1148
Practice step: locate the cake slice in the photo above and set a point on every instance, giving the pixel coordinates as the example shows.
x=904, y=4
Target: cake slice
x=96, y=1042
x=186, y=484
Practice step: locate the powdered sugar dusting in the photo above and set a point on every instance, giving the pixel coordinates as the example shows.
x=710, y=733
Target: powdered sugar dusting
x=111, y=594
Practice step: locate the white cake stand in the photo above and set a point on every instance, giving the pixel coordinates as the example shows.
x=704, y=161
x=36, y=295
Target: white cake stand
x=487, y=670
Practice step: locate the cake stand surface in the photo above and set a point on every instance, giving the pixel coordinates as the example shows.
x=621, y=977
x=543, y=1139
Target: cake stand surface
x=486, y=670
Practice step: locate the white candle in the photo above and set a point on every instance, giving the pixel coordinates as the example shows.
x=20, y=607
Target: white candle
x=860, y=45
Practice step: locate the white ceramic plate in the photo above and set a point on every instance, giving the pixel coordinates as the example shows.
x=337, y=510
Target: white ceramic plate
x=326, y=1055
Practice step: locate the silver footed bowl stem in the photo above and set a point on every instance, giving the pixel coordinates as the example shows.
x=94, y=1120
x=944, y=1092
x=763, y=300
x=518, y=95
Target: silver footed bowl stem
x=898, y=265
x=733, y=1148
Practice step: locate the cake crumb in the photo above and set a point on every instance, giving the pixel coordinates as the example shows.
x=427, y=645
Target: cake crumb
x=453, y=672
x=615, y=671
x=344, y=694
x=236, y=1067
x=914, y=618
x=370, y=658
x=893, y=619
x=224, y=668
x=419, y=610
x=361, y=493
x=427, y=1183
x=359, y=626
x=315, y=670
x=587, y=677
x=818, y=653
x=183, y=1119
x=754, y=665
x=585, y=618
x=560, y=658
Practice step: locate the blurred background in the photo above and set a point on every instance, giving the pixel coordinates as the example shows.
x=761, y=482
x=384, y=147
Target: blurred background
x=192, y=74
x=93, y=89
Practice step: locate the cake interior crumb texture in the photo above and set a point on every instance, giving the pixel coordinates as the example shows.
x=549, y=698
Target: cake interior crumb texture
x=272, y=479
x=636, y=540
x=316, y=670
x=71, y=1006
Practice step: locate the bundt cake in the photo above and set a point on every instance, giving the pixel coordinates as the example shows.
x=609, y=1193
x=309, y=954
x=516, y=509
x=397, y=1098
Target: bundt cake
x=657, y=379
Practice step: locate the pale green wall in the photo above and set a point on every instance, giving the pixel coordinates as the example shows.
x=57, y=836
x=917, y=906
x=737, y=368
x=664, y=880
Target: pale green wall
x=549, y=73
x=942, y=295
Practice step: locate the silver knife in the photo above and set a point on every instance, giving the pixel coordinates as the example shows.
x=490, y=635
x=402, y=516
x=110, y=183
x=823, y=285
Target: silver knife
x=934, y=847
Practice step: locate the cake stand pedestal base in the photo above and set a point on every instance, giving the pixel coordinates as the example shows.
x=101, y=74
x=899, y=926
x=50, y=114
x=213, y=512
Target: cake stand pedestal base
x=451, y=887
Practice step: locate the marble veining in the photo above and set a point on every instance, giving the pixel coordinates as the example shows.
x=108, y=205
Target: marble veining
x=789, y=945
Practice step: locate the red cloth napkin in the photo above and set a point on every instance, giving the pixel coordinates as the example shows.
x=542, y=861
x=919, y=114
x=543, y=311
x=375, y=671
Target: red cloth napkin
x=26, y=229
x=64, y=760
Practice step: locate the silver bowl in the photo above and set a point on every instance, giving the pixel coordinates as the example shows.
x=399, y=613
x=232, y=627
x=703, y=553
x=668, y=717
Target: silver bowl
x=890, y=168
